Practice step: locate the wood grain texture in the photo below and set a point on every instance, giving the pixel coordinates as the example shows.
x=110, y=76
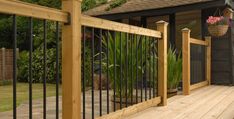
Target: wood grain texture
x=210, y=102
x=132, y=109
x=186, y=60
x=199, y=85
x=198, y=42
x=71, y=61
x=162, y=62
x=31, y=10
x=115, y=26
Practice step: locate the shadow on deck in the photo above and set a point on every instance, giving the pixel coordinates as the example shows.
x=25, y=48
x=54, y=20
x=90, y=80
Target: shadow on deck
x=211, y=102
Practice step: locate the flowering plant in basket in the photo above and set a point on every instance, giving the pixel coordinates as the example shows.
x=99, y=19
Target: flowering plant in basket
x=217, y=20
x=217, y=26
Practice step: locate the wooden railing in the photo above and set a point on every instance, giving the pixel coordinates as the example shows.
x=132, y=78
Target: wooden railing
x=186, y=42
x=161, y=35
x=72, y=20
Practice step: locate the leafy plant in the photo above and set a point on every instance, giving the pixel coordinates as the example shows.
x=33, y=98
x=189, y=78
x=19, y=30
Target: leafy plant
x=87, y=64
x=174, y=67
x=118, y=52
x=89, y=4
x=115, y=4
x=37, y=66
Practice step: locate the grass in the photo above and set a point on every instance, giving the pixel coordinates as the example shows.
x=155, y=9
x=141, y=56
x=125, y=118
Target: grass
x=6, y=94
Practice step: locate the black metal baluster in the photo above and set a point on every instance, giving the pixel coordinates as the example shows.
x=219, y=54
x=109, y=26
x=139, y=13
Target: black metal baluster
x=126, y=78
x=108, y=38
x=131, y=43
x=135, y=37
x=92, y=73
x=30, y=65
x=44, y=68
x=146, y=68
x=121, y=71
x=142, y=76
x=14, y=66
x=57, y=70
x=115, y=70
x=150, y=40
x=83, y=73
x=157, y=66
x=154, y=67
x=100, y=74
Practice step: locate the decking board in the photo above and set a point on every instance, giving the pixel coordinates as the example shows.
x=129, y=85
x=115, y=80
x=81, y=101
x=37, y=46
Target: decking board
x=211, y=102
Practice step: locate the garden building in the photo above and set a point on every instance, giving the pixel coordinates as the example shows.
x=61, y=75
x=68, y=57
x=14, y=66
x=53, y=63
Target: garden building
x=180, y=14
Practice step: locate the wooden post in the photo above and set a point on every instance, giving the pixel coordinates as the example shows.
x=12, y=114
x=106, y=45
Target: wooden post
x=228, y=12
x=71, y=61
x=162, y=62
x=208, y=60
x=186, y=60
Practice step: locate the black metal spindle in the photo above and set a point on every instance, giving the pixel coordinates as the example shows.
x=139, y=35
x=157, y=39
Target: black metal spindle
x=92, y=55
x=142, y=76
x=100, y=73
x=126, y=77
x=131, y=43
x=136, y=38
x=157, y=67
x=14, y=66
x=121, y=71
x=83, y=73
x=146, y=68
x=154, y=67
x=150, y=41
x=114, y=35
x=57, y=70
x=30, y=65
x=108, y=38
x=44, y=68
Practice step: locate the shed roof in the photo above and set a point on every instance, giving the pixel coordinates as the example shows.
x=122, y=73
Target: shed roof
x=140, y=5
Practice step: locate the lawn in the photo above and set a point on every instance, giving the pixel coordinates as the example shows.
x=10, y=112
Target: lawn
x=6, y=94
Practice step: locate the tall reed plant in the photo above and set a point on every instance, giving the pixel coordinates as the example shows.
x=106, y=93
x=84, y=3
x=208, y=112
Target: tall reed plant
x=128, y=56
x=174, y=74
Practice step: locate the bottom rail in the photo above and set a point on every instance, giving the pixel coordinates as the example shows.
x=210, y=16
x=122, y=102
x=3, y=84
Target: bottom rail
x=132, y=109
x=199, y=85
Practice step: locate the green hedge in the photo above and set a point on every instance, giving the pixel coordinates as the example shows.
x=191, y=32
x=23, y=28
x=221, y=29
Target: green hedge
x=37, y=66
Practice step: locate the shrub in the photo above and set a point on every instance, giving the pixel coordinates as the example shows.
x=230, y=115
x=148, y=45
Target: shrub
x=88, y=66
x=5, y=82
x=37, y=66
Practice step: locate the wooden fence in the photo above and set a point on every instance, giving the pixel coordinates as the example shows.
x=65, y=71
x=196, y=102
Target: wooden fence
x=6, y=64
x=72, y=19
x=186, y=42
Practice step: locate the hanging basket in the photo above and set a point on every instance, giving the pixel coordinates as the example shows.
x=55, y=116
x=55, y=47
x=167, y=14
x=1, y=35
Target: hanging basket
x=218, y=30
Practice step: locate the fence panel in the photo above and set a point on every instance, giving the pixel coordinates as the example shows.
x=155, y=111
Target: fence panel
x=196, y=62
x=37, y=64
x=119, y=68
x=106, y=66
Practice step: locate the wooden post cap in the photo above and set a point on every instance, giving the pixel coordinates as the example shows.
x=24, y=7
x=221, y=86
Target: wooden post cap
x=161, y=22
x=186, y=30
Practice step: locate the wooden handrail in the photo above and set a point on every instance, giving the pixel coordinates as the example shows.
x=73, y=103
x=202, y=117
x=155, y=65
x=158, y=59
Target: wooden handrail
x=198, y=42
x=36, y=11
x=115, y=26
x=31, y=10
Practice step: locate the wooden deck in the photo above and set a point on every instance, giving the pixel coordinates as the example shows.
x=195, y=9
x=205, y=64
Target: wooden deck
x=211, y=102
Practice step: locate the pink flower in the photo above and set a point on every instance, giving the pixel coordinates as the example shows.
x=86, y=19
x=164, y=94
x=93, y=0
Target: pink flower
x=214, y=20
